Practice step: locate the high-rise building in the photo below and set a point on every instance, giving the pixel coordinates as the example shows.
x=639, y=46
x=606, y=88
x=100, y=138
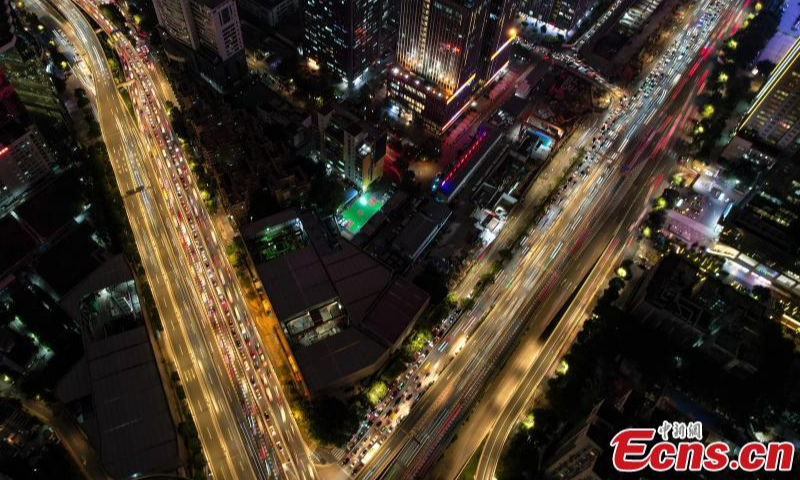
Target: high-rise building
x=761, y=237
x=33, y=86
x=389, y=25
x=343, y=36
x=270, y=11
x=25, y=158
x=6, y=26
x=585, y=451
x=563, y=15
x=774, y=117
x=174, y=16
x=447, y=50
x=207, y=33
x=218, y=28
x=349, y=146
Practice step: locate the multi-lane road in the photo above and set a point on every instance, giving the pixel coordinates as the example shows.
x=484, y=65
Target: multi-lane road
x=682, y=87
x=596, y=212
x=245, y=425
x=244, y=422
x=615, y=235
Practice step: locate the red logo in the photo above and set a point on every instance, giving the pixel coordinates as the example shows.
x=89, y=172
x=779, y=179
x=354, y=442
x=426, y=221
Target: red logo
x=634, y=450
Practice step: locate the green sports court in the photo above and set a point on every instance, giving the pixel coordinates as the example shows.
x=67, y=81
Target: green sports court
x=360, y=211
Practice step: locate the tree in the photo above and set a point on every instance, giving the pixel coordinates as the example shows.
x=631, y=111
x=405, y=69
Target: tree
x=433, y=282
x=765, y=67
x=408, y=182
x=326, y=194
x=82, y=101
x=331, y=421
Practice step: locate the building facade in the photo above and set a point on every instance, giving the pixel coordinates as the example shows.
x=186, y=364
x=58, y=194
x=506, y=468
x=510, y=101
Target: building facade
x=174, y=16
x=774, y=117
x=342, y=37
x=761, y=238
x=349, y=146
x=581, y=454
x=24, y=159
x=218, y=28
x=270, y=11
x=207, y=35
x=446, y=51
x=389, y=26
x=562, y=15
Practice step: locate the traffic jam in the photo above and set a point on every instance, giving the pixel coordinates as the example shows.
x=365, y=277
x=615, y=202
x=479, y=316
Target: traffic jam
x=241, y=349
x=403, y=392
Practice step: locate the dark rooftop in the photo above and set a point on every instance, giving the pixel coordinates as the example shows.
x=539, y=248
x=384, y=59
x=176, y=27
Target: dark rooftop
x=17, y=242
x=131, y=422
x=380, y=310
x=54, y=206
x=70, y=260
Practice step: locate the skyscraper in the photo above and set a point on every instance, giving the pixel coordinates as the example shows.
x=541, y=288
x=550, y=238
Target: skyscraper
x=25, y=158
x=343, y=36
x=174, y=16
x=270, y=11
x=774, y=117
x=349, y=146
x=563, y=15
x=389, y=25
x=209, y=33
x=446, y=50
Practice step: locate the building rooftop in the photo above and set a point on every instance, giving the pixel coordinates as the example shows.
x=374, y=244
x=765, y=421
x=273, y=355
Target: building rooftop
x=388, y=318
x=379, y=310
x=54, y=206
x=339, y=360
x=17, y=243
x=130, y=424
x=419, y=231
